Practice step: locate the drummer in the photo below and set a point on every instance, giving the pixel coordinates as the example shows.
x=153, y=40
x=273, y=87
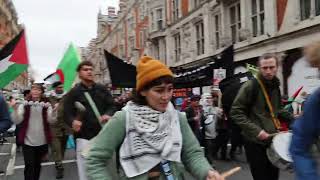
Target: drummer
x=251, y=112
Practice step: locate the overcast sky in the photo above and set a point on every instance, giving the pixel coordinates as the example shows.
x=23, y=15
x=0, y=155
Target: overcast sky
x=52, y=24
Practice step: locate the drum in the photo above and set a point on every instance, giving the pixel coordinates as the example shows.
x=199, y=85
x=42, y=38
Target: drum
x=278, y=152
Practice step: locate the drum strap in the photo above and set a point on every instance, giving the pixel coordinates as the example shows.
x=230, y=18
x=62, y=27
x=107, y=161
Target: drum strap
x=275, y=120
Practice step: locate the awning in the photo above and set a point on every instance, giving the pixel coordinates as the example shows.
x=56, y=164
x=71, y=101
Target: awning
x=202, y=74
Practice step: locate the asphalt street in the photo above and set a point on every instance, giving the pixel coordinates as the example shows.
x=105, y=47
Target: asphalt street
x=48, y=170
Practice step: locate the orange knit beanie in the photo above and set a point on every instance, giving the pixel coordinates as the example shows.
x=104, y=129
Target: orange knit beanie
x=149, y=69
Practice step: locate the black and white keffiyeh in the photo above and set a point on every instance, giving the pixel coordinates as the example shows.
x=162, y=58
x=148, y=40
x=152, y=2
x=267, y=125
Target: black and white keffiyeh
x=151, y=136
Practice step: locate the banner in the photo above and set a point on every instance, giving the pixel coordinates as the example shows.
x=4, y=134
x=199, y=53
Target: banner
x=218, y=76
x=184, y=92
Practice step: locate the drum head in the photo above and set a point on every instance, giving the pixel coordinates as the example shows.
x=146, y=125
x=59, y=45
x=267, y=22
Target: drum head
x=281, y=143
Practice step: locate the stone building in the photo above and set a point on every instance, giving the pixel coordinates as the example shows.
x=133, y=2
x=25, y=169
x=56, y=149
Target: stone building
x=127, y=38
x=253, y=26
x=124, y=34
x=186, y=33
x=9, y=28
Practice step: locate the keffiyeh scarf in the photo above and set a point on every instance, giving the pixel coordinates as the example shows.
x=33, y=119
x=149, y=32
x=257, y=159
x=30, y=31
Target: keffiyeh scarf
x=151, y=136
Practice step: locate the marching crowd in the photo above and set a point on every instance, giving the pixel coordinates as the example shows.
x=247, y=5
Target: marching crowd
x=152, y=140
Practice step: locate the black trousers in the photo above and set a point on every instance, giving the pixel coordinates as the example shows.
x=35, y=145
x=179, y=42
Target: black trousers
x=260, y=166
x=210, y=147
x=32, y=159
x=236, y=140
x=222, y=143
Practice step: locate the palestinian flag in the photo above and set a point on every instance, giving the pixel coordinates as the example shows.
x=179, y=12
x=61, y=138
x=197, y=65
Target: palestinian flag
x=52, y=78
x=13, y=59
x=67, y=68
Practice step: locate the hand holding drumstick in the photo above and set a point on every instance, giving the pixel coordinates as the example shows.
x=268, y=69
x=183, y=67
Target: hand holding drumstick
x=214, y=175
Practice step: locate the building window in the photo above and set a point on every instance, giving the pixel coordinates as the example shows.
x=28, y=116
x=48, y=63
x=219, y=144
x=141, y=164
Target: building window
x=217, y=29
x=132, y=45
x=197, y=3
x=235, y=21
x=309, y=8
x=159, y=19
x=131, y=23
x=175, y=8
x=142, y=9
x=317, y=7
x=152, y=22
x=305, y=8
x=200, y=38
x=177, y=46
x=121, y=51
x=257, y=17
x=141, y=39
x=156, y=49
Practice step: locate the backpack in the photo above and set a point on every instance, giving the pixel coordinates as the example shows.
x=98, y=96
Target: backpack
x=230, y=87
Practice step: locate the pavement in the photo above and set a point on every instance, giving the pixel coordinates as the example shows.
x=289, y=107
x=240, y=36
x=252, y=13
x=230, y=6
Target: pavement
x=48, y=169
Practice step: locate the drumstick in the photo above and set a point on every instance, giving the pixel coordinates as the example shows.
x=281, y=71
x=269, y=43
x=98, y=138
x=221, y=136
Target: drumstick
x=274, y=134
x=230, y=172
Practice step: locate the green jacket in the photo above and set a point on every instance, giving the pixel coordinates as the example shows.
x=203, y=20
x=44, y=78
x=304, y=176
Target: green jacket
x=112, y=136
x=59, y=128
x=251, y=113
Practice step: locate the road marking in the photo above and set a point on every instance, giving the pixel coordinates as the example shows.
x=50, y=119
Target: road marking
x=47, y=164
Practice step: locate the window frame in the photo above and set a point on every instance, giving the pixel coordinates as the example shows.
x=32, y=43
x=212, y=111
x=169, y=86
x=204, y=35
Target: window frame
x=175, y=10
x=141, y=39
x=217, y=23
x=131, y=22
x=156, y=45
x=177, y=47
x=153, y=27
x=200, y=38
x=197, y=3
x=237, y=21
x=141, y=13
x=258, y=29
x=157, y=19
x=311, y=10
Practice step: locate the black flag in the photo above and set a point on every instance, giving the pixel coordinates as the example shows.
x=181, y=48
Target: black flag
x=122, y=74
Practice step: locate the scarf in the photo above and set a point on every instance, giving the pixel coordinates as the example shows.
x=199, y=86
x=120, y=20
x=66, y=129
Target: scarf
x=151, y=137
x=270, y=84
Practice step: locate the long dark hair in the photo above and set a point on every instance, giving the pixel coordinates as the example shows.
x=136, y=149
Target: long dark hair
x=141, y=100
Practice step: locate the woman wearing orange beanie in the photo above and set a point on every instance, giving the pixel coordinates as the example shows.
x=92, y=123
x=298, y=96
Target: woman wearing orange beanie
x=151, y=137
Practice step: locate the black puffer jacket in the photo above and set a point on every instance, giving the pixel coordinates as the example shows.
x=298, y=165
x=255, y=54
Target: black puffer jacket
x=90, y=124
